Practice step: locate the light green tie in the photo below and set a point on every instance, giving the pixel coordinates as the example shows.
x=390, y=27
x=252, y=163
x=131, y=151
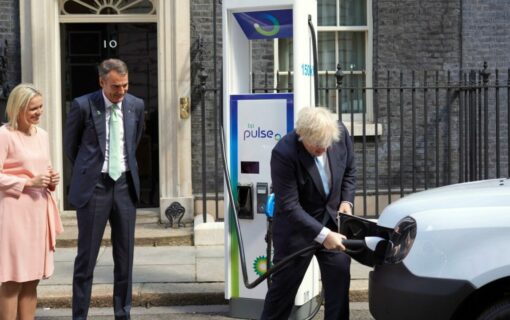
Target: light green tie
x=114, y=161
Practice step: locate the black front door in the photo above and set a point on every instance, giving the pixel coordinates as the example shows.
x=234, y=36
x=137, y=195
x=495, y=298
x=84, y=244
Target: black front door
x=84, y=45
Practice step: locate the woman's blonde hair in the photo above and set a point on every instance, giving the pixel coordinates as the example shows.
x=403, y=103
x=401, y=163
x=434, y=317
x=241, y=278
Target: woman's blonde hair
x=18, y=101
x=317, y=126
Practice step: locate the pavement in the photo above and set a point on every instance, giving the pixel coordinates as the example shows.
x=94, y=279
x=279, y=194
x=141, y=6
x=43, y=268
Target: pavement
x=169, y=270
x=357, y=310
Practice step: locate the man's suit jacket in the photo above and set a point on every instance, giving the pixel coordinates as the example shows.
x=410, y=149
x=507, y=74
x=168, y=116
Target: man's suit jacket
x=85, y=142
x=301, y=201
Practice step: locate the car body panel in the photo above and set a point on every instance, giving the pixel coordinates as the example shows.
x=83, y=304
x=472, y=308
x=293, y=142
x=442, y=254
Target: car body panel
x=462, y=246
x=397, y=294
x=479, y=194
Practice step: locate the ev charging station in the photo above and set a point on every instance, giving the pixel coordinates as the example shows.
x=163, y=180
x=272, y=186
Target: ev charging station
x=253, y=124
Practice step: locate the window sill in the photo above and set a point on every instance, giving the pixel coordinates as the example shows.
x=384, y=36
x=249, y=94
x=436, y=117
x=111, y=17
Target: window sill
x=356, y=129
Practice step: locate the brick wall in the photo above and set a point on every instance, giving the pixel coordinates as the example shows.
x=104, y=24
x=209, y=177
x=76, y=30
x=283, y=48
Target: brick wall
x=416, y=34
x=9, y=30
x=486, y=37
x=411, y=35
x=486, y=33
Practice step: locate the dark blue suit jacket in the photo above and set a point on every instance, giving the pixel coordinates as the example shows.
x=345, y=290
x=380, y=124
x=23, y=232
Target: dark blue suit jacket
x=85, y=142
x=301, y=201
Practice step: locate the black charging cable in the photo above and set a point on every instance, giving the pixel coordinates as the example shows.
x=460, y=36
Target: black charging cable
x=315, y=61
x=233, y=215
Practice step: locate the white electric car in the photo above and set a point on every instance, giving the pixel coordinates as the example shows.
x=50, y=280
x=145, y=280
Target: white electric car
x=439, y=254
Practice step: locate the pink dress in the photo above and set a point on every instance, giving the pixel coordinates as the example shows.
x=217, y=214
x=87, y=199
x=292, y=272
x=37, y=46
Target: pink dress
x=29, y=219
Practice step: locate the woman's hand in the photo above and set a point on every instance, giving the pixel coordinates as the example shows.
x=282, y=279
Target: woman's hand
x=54, y=178
x=39, y=181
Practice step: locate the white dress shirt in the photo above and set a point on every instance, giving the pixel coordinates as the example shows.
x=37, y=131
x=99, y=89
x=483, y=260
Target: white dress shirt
x=108, y=111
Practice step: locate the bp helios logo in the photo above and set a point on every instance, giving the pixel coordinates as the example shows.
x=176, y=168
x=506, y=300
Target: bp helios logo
x=257, y=132
x=272, y=28
x=260, y=265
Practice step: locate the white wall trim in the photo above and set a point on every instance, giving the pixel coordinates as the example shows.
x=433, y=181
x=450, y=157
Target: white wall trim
x=174, y=82
x=119, y=18
x=40, y=56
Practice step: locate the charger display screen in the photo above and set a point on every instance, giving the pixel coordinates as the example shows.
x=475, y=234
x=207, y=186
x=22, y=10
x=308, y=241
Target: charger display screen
x=250, y=167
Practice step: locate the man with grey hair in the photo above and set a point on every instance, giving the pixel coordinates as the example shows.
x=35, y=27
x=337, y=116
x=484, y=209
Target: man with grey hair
x=102, y=131
x=313, y=176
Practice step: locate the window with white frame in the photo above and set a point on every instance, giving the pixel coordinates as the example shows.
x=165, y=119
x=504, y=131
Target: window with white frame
x=344, y=37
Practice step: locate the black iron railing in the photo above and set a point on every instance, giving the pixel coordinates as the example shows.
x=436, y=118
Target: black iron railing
x=412, y=130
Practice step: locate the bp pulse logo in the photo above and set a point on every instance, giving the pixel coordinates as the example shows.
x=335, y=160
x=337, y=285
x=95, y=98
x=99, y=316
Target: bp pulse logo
x=257, y=132
x=273, y=27
x=266, y=24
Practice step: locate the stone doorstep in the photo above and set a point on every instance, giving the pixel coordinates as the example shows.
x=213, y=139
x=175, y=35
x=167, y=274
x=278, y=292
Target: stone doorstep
x=141, y=242
x=144, y=295
x=155, y=294
x=143, y=216
x=146, y=234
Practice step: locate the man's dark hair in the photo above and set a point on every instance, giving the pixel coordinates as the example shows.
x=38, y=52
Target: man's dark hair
x=112, y=64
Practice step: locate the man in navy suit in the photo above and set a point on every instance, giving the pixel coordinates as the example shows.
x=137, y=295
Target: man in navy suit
x=313, y=176
x=102, y=131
